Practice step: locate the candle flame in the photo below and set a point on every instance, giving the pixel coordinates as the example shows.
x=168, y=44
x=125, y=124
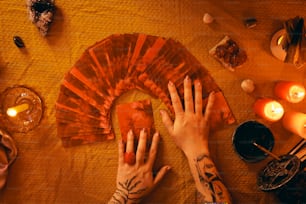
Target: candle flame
x=296, y=93
x=276, y=110
x=299, y=94
x=280, y=39
x=11, y=112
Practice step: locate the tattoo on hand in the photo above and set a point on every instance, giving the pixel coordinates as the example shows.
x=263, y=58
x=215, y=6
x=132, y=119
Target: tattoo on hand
x=210, y=180
x=128, y=188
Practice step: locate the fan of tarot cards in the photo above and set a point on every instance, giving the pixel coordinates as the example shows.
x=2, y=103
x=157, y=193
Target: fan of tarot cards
x=117, y=64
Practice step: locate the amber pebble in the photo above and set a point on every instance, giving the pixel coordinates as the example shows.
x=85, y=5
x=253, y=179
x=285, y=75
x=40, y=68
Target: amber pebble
x=250, y=22
x=207, y=18
x=18, y=41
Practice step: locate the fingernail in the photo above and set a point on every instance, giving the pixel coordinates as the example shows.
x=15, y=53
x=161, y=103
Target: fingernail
x=197, y=83
x=161, y=112
x=212, y=94
x=130, y=132
x=168, y=168
x=187, y=78
x=170, y=83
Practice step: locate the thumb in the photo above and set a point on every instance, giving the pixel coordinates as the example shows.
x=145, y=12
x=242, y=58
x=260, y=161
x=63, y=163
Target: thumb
x=161, y=173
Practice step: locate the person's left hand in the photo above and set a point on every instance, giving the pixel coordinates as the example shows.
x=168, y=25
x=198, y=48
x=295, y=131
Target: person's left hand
x=134, y=181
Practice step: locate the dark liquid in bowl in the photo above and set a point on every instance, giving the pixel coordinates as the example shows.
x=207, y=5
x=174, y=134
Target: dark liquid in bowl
x=248, y=133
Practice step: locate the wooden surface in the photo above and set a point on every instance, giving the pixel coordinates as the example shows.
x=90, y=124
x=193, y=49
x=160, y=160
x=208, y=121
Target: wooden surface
x=45, y=172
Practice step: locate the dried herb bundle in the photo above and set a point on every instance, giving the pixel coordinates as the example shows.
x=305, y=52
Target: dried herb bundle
x=295, y=41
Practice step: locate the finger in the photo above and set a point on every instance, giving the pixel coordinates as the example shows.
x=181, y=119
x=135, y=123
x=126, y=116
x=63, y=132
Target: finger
x=130, y=142
x=121, y=152
x=168, y=123
x=209, y=106
x=176, y=102
x=141, y=149
x=198, y=98
x=188, y=95
x=153, y=149
x=160, y=175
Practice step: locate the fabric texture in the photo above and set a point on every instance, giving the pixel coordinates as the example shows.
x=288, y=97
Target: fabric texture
x=46, y=172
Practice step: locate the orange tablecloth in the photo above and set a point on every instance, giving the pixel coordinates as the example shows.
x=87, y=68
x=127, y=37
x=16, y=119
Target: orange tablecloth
x=45, y=172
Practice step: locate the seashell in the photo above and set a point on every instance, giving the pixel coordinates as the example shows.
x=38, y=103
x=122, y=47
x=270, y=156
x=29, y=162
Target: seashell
x=120, y=63
x=41, y=14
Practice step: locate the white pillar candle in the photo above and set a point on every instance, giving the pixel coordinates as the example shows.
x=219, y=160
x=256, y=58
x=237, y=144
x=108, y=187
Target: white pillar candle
x=295, y=122
x=291, y=91
x=268, y=109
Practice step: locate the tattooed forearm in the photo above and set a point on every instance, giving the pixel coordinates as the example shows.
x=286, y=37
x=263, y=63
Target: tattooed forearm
x=128, y=192
x=211, y=188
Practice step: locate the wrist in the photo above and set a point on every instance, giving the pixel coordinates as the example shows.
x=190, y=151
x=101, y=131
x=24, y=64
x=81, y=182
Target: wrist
x=121, y=195
x=195, y=152
x=118, y=197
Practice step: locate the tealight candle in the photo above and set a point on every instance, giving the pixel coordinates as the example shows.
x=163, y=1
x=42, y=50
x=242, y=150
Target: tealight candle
x=291, y=91
x=13, y=111
x=268, y=109
x=295, y=122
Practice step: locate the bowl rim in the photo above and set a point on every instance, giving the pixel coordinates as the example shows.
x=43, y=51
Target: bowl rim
x=259, y=158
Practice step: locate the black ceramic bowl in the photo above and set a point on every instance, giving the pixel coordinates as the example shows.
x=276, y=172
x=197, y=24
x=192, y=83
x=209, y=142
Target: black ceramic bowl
x=246, y=134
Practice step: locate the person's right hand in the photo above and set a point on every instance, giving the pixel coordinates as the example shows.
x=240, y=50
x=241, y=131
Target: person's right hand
x=135, y=179
x=190, y=128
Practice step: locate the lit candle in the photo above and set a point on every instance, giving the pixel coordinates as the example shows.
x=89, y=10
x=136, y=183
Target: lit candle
x=268, y=109
x=295, y=122
x=291, y=91
x=13, y=111
x=276, y=45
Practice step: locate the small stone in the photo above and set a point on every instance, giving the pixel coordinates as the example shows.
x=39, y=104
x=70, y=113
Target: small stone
x=247, y=86
x=207, y=18
x=18, y=42
x=250, y=22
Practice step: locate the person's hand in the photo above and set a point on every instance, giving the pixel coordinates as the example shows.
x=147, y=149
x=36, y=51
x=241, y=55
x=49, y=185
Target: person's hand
x=190, y=131
x=134, y=181
x=190, y=128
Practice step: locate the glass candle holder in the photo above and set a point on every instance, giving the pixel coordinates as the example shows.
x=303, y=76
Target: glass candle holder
x=21, y=109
